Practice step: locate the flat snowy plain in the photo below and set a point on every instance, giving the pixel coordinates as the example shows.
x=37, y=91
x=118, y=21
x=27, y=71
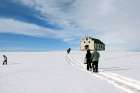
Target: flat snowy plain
x=57, y=72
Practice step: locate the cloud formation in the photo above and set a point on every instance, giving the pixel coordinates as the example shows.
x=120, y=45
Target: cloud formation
x=116, y=22
x=12, y=9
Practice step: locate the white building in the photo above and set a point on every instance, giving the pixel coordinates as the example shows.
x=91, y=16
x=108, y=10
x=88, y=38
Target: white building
x=92, y=44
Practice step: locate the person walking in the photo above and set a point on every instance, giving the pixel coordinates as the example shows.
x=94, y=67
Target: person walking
x=88, y=59
x=5, y=60
x=68, y=50
x=95, y=60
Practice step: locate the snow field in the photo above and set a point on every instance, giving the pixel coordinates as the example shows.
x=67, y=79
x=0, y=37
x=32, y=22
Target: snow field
x=57, y=72
x=124, y=83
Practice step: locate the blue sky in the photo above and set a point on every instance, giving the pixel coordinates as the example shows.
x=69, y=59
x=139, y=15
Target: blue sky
x=16, y=42
x=43, y=25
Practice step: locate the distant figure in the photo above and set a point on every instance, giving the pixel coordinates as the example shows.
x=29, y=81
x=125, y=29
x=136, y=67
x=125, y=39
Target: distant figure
x=68, y=50
x=5, y=60
x=88, y=59
x=95, y=59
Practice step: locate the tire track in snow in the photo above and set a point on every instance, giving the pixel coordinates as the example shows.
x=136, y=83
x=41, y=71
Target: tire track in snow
x=124, y=83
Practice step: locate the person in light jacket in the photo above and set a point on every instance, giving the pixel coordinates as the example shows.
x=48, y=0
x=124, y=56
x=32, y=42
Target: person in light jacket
x=95, y=59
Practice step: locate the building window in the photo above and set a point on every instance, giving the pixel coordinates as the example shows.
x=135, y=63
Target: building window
x=95, y=45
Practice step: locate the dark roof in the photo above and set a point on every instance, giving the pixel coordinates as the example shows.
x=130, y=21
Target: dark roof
x=97, y=40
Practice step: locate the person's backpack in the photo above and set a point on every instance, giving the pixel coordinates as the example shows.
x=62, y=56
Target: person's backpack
x=85, y=60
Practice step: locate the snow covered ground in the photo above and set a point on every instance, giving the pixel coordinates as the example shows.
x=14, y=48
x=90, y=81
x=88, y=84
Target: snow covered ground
x=57, y=72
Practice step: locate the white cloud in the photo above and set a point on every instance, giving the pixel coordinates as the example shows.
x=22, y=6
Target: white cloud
x=18, y=27
x=14, y=26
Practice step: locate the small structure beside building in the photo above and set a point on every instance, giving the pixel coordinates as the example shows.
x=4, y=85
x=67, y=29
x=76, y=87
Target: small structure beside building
x=92, y=44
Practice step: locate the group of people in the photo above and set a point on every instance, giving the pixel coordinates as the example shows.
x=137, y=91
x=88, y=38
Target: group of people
x=92, y=60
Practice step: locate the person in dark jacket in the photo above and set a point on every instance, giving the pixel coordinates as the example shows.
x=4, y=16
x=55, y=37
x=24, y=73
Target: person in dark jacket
x=88, y=59
x=68, y=50
x=5, y=60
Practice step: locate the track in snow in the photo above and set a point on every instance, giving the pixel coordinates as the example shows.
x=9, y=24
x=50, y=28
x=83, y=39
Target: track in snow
x=124, y=83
